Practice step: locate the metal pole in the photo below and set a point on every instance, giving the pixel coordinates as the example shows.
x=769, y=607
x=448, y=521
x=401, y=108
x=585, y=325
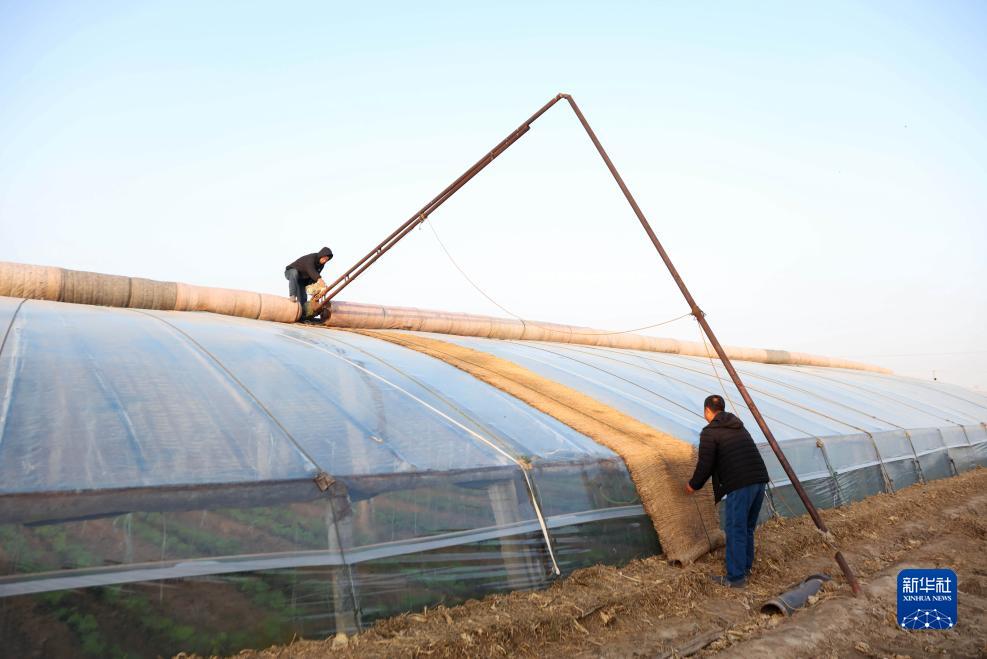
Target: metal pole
x=360, y=266
x=701, y=318
x=356, y=269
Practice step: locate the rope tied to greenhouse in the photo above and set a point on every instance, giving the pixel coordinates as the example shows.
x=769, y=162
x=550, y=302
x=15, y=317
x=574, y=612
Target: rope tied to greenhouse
x=712, y=364
x=525, y=323
x=523, y=466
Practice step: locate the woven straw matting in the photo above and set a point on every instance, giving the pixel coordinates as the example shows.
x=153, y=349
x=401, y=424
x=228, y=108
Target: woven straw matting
x=37, y=282
x=659, y=464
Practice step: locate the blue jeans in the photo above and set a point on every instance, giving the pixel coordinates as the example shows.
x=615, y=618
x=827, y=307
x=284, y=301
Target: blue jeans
x=742, y=509
x=295, y=289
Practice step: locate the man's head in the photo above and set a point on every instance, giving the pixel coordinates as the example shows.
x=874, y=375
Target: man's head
x=712, y=406
x=324, y=255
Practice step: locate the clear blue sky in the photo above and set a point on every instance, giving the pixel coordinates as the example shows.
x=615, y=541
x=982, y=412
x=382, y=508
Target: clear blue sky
x=817, y=172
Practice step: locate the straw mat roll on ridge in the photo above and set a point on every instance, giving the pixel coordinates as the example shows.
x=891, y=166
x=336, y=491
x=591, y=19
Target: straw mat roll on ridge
x=659, y=464
x=354, y=315
x=38, y=282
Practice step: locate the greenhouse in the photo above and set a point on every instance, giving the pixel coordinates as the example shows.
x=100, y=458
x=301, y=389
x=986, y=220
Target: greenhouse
x=177, y=481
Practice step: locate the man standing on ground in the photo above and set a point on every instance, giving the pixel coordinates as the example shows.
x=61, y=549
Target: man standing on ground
x=306, y=270
x=728, y=454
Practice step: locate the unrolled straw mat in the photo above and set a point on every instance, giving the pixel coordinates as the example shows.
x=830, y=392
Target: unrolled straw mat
x=659, y=464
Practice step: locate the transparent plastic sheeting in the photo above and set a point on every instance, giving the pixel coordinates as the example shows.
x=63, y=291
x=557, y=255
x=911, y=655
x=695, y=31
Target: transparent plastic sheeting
x=153, y=447
x=96, y=398
x=848, y=434
x=226, y=612
x=111, y=411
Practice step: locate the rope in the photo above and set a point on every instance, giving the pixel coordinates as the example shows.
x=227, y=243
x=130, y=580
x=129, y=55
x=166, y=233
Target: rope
x=713, y=366
x=524, y=322
x=716, y=372
x=476, y=435
x=734, y=407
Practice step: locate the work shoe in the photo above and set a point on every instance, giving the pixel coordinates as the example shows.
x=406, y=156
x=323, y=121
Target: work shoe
x=723, y=581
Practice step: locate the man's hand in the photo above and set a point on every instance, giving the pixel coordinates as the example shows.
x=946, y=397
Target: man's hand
x=321, y=283
x=688, y=489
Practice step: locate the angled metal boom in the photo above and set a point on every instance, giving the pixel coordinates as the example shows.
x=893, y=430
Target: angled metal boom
x=360, y=266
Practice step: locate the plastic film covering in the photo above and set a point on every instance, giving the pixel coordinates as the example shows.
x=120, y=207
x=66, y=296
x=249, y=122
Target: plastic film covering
x=658, y=463
x=179, y=448
x=847, y=433
x=96, y=399
x=156, y=471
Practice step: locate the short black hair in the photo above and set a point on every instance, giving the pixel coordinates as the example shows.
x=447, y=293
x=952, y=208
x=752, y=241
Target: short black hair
x=714, y=403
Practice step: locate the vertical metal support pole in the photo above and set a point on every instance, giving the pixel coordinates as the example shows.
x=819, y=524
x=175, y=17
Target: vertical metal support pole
x=701, y=319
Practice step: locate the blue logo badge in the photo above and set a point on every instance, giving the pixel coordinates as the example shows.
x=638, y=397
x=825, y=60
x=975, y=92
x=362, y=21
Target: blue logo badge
x=927, y=599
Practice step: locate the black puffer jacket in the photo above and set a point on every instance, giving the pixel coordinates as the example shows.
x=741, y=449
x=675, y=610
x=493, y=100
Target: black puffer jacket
x=728, y=454
x=308, y=266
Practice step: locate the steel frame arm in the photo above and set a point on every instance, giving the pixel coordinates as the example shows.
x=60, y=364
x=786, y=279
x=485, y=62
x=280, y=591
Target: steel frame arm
x=360, y=266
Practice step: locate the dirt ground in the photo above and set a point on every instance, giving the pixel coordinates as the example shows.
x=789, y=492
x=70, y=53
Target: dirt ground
x=649, y=608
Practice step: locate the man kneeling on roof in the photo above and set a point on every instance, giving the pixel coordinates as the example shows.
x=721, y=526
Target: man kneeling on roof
x=728, y=454
x=306, y=270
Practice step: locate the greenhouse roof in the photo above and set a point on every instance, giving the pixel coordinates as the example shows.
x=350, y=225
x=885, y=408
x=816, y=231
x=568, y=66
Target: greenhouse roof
x=101, y=399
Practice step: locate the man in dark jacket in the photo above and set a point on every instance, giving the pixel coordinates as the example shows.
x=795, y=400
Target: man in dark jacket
x=728, y=454
x=306, y=270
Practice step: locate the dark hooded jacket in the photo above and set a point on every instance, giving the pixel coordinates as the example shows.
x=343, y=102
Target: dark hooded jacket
x=728, y=454
x=308, y=266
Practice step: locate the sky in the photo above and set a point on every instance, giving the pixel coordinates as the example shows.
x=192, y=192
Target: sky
x=816, y=171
